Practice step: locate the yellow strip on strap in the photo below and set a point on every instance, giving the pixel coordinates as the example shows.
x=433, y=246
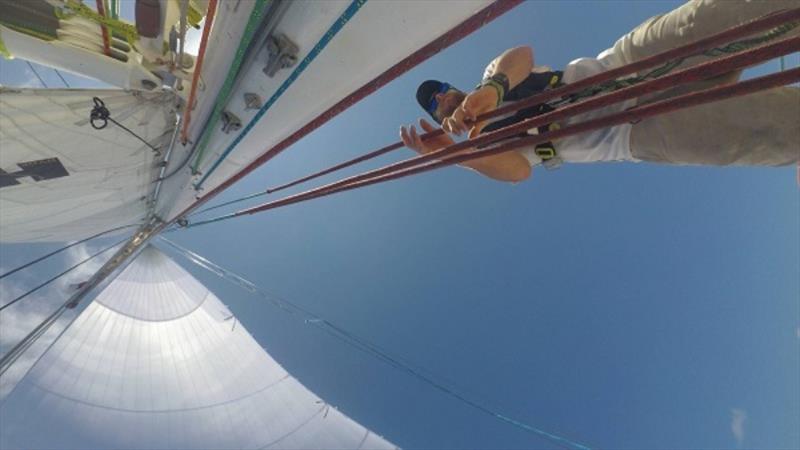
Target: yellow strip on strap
x=193, y=15
x=3, y=49
x=121, y=28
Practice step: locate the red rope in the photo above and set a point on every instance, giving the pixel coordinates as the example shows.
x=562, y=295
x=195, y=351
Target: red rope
x=703, y=71
x=371, y=155
x=642, y=112
x=198, y=67
x=453, y=35
x=106, y=40
x=724, y=37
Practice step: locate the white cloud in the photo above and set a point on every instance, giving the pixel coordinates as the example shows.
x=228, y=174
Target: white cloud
x=20, y=319
x=30, y=79
x=77, y=254
x=738, y=419
x=15, y=323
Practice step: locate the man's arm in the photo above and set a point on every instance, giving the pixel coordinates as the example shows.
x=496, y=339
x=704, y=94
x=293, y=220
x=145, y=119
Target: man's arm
x=516, y=64
x=510, y=166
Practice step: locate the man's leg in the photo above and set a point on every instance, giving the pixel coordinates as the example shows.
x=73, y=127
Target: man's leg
x=758, y=129
x=691, y=22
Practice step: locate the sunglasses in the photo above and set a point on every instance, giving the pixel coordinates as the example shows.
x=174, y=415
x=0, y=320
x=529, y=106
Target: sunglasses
x=445, y=87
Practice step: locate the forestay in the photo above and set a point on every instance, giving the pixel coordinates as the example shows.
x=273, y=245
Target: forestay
x=157, y=361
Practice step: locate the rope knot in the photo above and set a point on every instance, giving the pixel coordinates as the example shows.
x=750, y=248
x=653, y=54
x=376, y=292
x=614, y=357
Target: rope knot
x=100, y=114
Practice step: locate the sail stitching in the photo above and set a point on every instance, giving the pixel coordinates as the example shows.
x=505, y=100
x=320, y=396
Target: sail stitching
x=164, y=411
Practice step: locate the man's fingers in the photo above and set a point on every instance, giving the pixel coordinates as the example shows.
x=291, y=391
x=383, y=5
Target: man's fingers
x=454, y=124
x=404, y=136
x=447, y=125
x=426, y=126
x=415, y=138
x=476, y=129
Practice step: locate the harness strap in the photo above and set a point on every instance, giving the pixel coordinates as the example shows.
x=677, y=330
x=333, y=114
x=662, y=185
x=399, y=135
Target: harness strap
x=534, y=84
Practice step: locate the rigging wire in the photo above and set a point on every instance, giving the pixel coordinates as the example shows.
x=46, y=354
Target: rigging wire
x=10, y=357
x=35, y=72
x=650, y=110
x=437, y=159
x=463, y=29
x=231, y=202
x=257, y=17
x=607, y=86
x=338, y=25
x=212, y=9
x=75, y=266
x=55, y=252
x=100, y=116
x=184, y=10
x=62, y=78
x=364, y=345
x=182, y=165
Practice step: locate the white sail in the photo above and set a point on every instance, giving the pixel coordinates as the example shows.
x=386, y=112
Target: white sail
x=157, y=361
x=61, y=179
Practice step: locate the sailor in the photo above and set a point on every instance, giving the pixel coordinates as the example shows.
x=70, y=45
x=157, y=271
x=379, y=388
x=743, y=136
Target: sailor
x=758, y=129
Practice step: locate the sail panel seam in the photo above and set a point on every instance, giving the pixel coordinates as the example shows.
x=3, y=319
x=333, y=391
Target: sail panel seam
x=168, y=319
x=164, y=411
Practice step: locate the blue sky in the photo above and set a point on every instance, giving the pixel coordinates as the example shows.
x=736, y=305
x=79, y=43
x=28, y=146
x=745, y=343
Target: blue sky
x=625, y=305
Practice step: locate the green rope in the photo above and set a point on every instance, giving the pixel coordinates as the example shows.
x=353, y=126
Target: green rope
x=253, y=23
x=608, y=86
x=114, y=9
x=747, y=43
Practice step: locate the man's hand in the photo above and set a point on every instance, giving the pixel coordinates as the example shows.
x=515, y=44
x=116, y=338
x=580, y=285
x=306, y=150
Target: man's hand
x=476, y=103
x=414, y=141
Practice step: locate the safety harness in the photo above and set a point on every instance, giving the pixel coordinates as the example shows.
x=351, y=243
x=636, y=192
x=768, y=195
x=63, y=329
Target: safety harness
x=534, y=84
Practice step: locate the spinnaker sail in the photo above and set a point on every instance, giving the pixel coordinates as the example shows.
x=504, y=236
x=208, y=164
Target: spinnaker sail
x=158, y=361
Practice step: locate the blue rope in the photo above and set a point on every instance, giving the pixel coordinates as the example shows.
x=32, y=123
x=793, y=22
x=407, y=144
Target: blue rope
x=231, y=202
x=204, y=222
x=326, y=38
x=364, y=345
